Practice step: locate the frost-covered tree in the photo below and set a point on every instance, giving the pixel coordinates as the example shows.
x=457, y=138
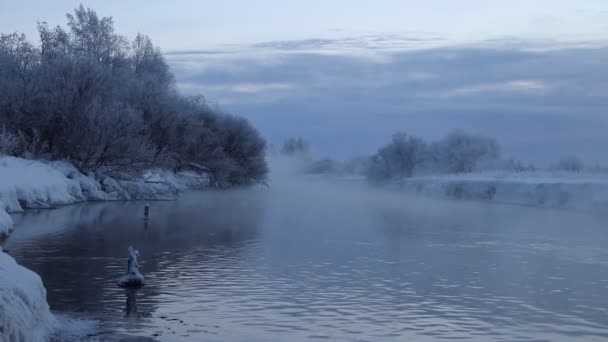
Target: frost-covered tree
x=88, y=95
x=570, y=164
x=460, y=152
x=18, y=62
x=94, y=37
x=9, y=142
x=295, y=147
x=113, y=137
x=397, y=159
x=323, y=166
x=244, y=150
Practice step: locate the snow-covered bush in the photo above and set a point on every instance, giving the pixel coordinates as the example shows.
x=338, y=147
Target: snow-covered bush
x=32, y=145
x=9, y=142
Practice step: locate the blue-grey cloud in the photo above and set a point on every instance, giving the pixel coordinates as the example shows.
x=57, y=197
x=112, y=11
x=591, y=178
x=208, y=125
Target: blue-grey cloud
x=369, y=41
x=540, y=102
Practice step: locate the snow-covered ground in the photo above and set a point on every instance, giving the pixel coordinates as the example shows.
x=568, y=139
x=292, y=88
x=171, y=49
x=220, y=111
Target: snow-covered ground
x=566, y=190
x=24, y=312
x=28, y=184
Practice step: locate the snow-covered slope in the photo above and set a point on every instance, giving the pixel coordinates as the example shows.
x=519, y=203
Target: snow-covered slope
x=33, y=184
x=24, y=312
x=28, y=184
x=6, y=223
x=553, y=190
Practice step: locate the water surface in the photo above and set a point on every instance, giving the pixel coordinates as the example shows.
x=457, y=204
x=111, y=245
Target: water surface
x=312, y=260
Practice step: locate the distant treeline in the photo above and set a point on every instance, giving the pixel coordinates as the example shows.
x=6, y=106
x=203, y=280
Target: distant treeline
x=404, y=155
x=458, y=152
x=407, y=156
x=91, y=96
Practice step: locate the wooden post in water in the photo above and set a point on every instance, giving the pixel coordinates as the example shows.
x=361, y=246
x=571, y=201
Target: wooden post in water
x=147, y=211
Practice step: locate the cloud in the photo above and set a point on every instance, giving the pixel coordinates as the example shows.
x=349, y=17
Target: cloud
x=420, y=75
x=369, y=42
x=230, y=93
x=348, y=95
x=238, y=88
x=530, y=87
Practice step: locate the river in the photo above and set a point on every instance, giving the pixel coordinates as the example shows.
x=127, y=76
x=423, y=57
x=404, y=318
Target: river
x=312, y=260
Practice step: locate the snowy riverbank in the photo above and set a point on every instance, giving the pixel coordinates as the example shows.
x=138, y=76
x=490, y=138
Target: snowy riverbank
x=565, y=190
x=24, y=312
x=29, y=184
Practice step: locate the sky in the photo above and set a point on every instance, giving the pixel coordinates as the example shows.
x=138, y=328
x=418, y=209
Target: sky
x=347, y=74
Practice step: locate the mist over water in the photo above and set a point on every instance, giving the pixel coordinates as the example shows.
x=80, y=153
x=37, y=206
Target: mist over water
x=311, y=258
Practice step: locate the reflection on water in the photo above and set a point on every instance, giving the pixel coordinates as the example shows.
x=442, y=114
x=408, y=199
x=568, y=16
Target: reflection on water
x=299, y=263
x=131, y=302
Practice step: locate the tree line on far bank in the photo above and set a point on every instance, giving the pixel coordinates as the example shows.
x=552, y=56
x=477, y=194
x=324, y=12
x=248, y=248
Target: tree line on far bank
x=404, y=156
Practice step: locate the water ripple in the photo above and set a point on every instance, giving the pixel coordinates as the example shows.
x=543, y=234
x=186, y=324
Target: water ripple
x=248, y=277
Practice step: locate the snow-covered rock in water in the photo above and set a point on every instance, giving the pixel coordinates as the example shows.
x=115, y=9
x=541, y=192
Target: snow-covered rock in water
x=133, y=278
x=24, y=312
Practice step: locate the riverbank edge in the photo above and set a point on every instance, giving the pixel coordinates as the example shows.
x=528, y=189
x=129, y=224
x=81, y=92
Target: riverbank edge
x=41, y=184
x=24, y=311
x=586, y=192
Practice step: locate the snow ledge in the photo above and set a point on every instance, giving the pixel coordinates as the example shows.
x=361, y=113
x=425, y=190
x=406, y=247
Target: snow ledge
x=33, y=184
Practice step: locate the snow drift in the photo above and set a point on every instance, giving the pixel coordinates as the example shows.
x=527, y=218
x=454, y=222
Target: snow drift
x=24, y=312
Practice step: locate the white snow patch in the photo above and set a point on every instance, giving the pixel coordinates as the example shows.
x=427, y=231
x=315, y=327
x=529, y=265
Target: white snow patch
x=181, y=180
x=6, y=223
x=24, y=312
x=34, y=184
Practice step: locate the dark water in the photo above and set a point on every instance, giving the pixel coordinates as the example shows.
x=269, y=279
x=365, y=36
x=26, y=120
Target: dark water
x=312, y=261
